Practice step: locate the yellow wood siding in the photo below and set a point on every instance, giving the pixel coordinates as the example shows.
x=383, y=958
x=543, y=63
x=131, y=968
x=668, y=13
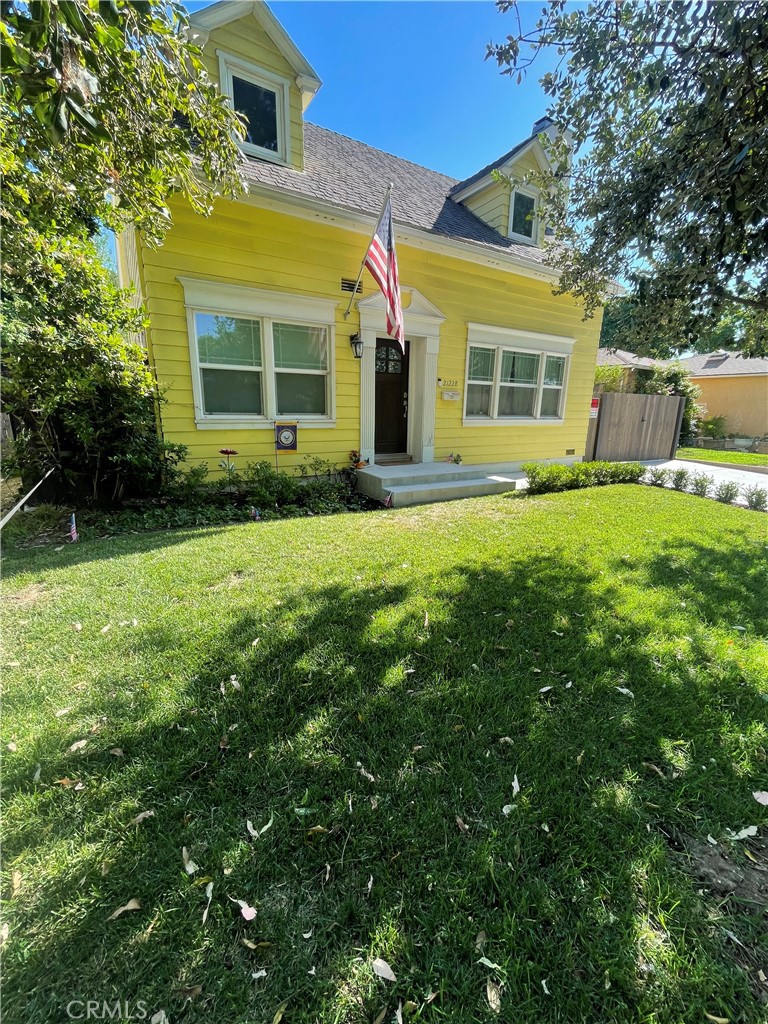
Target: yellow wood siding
x=241, y=244
x=247, y=40
x=492, y=206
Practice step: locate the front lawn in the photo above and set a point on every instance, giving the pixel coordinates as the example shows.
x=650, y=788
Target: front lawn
x=498, y=744
x=716, y=455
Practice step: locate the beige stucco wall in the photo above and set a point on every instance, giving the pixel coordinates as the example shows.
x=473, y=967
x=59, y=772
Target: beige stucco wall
x=742, y=400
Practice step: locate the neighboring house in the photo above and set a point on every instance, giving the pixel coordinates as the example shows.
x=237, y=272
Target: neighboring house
x=629, y=363
x=733, y=386
x=246, y=307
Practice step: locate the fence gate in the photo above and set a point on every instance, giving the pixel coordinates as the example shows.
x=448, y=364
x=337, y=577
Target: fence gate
x=630, y=427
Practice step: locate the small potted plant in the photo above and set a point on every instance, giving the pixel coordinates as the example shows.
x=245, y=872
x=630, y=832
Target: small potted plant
x=356, y=460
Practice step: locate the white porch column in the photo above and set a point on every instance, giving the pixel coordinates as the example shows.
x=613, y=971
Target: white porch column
x=368, y=395
x=429, y=400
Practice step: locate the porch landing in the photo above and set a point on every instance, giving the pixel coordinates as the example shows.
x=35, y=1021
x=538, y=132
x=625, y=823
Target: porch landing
x=422, y=482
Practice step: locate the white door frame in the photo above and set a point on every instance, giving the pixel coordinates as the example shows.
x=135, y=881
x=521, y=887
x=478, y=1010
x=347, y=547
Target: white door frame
x=422, y=330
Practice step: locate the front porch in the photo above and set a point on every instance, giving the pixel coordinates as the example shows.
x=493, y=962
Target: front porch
x=421, y=482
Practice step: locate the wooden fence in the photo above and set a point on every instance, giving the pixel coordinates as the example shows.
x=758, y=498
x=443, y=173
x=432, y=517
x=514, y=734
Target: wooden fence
x=631, y=427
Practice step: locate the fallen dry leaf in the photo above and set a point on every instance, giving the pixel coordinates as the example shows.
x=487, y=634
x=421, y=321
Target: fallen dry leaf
x=505, y=739
x=209, y=894
x=15, y=883
x=479, y=942
x=140, y=817
x=106, y=629
x=77, y=745
x=256, y=832
x=716, y=1020
x=625, y=691
x=36, y=776
x=745, y=833
x=364, y=773
x=190, y=992
x=259, y=974
x=515, y=786
x=224, y=742
x=62, y=711
x=4, y=932
x=279, y=1012
x=161, y=1017
x=580, y=757
x=316, y=830
x=12, y=747
x=133, y=904
x=117, y=752
x=761, y=796
x=544, y=986
x=77, y=626
x=507, y=809
x=104, y=868
x=380, y=1016
x=189, y=865
x=382, y=969
x=493, y=994
x=489, y=963
x=462, y=827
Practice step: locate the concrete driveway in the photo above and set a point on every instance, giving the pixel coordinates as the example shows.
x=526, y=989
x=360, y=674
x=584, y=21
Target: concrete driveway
x=719, y=474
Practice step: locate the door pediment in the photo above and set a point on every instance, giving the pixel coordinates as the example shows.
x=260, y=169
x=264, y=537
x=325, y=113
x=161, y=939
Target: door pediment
x=420, y=315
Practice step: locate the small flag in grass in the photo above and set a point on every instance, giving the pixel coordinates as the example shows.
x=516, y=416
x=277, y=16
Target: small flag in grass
x=72, y=529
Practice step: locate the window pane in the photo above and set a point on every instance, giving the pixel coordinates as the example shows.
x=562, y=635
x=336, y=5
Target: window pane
x=478, y=399
x=519, y=368
x=516, y=401
x=554, y=370
x=300, y=348
x=228, y=340
x=300, y=393
x=260, y=107
x=522, y=209
x=481, y=362
x=550, y=401
x=232, y=391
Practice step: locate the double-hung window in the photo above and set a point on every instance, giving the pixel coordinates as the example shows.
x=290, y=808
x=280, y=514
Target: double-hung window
x=263, y=100
x=259, y=356
x=514, y=376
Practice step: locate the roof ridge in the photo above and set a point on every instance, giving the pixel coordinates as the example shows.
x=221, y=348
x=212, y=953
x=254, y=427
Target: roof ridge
x=375, y=149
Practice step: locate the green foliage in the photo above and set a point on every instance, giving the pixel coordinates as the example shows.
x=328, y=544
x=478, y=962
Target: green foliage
x=657, y=476
x=610, y=378
x=672, y=379
x=544, y=478
x=756, y=497
x=658, y=331
x=701, y=484
x=82, y=397
x=714, y=426
x=666, y=106
x=679, y=479
x=727, y=492
x=93, y=99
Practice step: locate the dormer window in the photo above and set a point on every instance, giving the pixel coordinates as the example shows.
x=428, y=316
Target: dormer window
x=522, y=215
x=262, y=98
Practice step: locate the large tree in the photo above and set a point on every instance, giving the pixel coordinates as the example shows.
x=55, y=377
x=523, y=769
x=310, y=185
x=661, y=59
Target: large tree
x=106, y=112
x=647, y=330
x=667, y=104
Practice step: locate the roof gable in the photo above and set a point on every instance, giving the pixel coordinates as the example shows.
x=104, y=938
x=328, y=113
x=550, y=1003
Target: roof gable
x=462, y=189
x=226, y=11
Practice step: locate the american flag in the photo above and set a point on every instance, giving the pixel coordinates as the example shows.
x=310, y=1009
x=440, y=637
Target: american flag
x=72, y=528
x=381, y=260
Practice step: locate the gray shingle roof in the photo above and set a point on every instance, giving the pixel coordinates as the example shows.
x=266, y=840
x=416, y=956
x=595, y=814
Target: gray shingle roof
x=620, y=357
x=724, y=364
x=353, y=176
x=461, y=185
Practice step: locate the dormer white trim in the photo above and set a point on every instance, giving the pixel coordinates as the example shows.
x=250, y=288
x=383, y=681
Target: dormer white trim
x=230, y=66
x=204, y=22
x=533, y=146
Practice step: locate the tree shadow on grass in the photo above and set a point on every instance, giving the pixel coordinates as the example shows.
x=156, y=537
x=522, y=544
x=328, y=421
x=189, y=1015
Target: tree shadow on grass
x=383, y=730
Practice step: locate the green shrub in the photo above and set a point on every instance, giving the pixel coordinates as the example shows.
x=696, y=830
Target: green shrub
x=727, y=492
x=544, y=478
x=756, y=497
x=657, y=476
x=701, y=484
x=679, y=479
x=713, y=427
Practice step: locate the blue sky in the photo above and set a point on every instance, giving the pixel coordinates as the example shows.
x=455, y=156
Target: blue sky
x=410, y=78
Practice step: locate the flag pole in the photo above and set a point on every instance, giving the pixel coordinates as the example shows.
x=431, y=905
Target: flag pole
x=387, y=195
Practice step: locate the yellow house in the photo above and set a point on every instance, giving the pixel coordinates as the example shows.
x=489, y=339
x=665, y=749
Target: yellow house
x=733, y=386
x=247, y=307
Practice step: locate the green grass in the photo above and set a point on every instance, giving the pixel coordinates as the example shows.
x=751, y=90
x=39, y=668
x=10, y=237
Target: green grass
x=395, y=687
x=715, y=455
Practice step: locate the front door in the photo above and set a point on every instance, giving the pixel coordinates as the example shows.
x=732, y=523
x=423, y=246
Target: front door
x=391, y=436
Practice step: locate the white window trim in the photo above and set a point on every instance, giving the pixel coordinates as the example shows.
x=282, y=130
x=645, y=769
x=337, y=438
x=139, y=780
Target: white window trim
x=533, y=194
x=502, y=339
x=267, y=307
x=281, y=87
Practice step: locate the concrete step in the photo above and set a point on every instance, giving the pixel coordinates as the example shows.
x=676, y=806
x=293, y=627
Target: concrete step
x=375, y=479
x=422, y=492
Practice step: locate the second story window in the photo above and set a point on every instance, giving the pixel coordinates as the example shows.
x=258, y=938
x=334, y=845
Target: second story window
x=522, y=216
x=262, y=98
